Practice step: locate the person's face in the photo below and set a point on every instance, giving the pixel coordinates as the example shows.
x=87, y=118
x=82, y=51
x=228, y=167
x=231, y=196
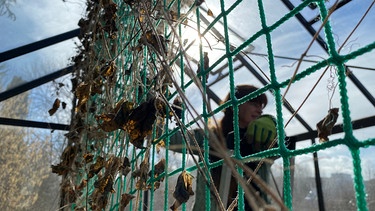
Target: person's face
x=248, y=112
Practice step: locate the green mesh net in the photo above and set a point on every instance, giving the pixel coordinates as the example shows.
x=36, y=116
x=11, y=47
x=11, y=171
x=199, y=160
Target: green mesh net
x=132, y=65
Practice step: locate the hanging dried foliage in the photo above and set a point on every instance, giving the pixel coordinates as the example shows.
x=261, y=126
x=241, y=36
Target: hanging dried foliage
x=100, y=78
x=96, y=167
x=125, y=200
x=183, y=189
x=55, y=106
x=125, y=167
x=142, y=175
x=67, y=159
x=325, y=125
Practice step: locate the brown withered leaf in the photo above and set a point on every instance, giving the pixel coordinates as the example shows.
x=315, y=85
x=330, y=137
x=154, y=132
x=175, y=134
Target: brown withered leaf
x=55, y=106
x=105, y=184
x=142, y=173
x=183, y=189
x=67, y=159
x=96, y=167
x=82, y=185
x=82, y=93
x=159, y=145
x=125, y=200
x=136, y=122
x=140, y=122
x=325, y=125
x=117, y=118
x=88, y=157
x=99, y=200
x=177, y=107
x=154, y=40
x=112, y=165
x=174, y=17
x=60, y=169
x=142, y=15
x=108, y=69
x=210, y=13
x=125, y=167
x=159, y=168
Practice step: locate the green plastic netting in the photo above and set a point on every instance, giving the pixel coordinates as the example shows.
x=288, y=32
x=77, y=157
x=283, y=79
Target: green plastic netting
x=133, y=59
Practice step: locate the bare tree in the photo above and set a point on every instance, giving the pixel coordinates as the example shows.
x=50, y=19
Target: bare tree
x=21, y=159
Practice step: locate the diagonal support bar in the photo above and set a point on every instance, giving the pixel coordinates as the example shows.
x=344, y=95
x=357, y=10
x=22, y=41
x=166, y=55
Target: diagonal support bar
x=35, y=83
x=13, y=53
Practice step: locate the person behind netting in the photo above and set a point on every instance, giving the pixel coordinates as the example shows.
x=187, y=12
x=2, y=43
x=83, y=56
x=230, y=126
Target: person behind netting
x=256, y=132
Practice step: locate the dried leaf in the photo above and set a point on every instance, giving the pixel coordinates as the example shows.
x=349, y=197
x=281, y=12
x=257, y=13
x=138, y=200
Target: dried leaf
x=142, y=173
x=125, y=200
x=210, y=13
x=160, y=145
x=82, y=185
x=54, y=108
x=177, y=107
x=183, y=189
x=159, y=168
x=82, y=93
x=109, y=69
x=125, y=168
x=113, y=164
x=96, y=167
x=105, y=184
x=60, y=169
x=154, y=40
x=67, y=159
x=325, y=125
x=88, y=157
x=117, y=118
x=140, y=122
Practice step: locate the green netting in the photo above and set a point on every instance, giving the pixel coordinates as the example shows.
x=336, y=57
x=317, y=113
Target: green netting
x=132, y=52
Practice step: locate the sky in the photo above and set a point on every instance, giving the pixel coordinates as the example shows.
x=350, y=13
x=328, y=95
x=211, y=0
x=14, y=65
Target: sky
x=36, y=20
